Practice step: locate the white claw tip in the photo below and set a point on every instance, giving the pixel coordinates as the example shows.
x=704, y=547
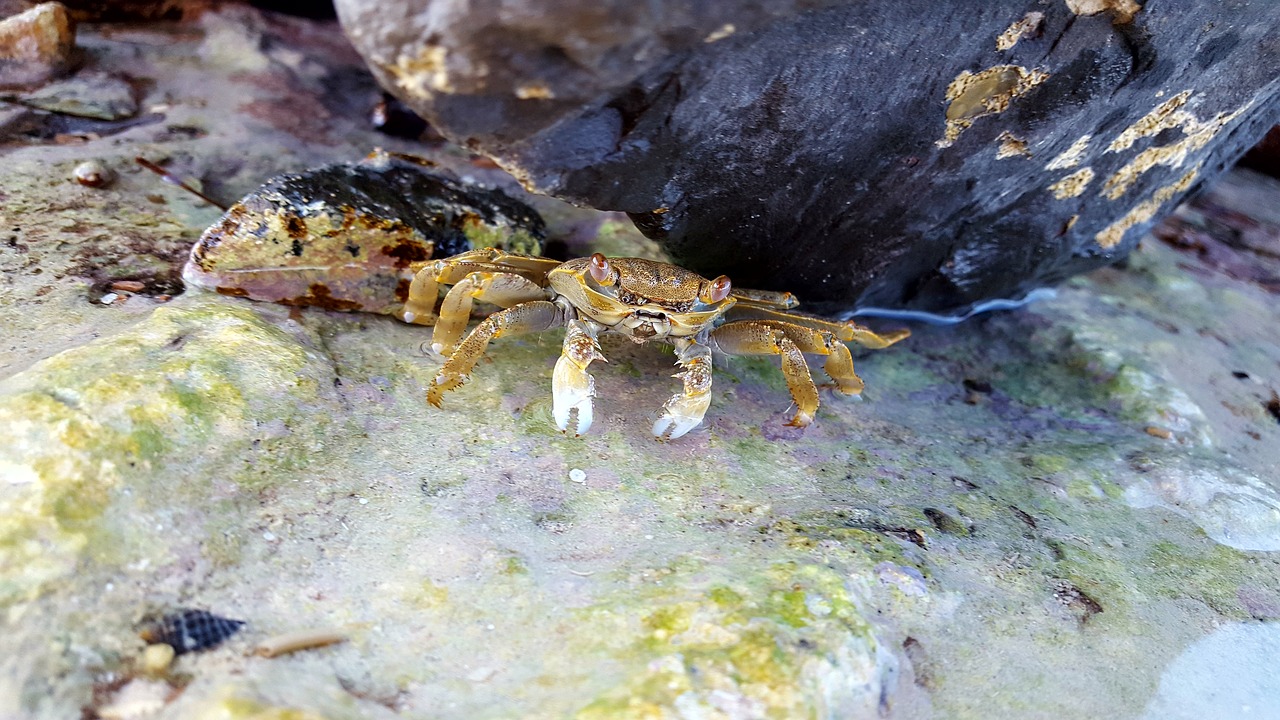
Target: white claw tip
x=670, y=427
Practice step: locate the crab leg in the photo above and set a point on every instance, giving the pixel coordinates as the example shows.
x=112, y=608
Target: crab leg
x=684, y=411
x=524, y=318
x=755, y=337
x=572, y=387
x=769, y=298
x=499, y=288
x=424, y=289
x=845, y=331
x=839, y=364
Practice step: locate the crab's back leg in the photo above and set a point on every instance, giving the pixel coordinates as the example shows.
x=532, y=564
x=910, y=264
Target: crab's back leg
x=523, y=318
x=755, y=337
x=572, y=387
x=770, y=298
x=498, y=288
x=684, y=411
x=839, y=364
x=845, y=331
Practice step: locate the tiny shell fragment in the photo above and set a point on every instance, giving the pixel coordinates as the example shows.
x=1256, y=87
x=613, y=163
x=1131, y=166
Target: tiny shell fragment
x=157, y=657
x=293, y=642
x=93, y=173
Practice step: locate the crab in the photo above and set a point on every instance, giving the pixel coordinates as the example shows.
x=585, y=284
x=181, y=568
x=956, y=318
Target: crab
x=643, y=300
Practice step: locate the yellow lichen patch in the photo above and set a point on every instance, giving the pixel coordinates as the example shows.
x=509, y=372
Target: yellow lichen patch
x=720, y=33
x=1011, y=145
x=1070, y=157
x=1167, y=115
x=1198, y=135
x=1073, y=184
x=424, y=73
x=535, y=91
x=1144, y=211
x=1124, y=10
x=973, y=95
x=1028, y=26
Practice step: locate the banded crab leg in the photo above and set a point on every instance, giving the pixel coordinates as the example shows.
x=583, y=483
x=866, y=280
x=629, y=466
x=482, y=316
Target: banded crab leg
x=520, y=319
x=845, y=331
x=572, y=387
x=758, y=337
x=684, y=411
x=424, y=289
x=503, y=289
x=791, y=340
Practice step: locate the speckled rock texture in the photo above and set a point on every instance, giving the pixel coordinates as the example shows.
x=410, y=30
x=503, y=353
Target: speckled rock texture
x=875, y=154
x=1068, y=510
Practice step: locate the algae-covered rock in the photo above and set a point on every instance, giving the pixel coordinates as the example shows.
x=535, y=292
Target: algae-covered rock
x=130, y=419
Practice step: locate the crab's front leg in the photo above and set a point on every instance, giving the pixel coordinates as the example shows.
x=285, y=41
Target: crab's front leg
x=684, y=411
x=524, y=318
x=572, y=386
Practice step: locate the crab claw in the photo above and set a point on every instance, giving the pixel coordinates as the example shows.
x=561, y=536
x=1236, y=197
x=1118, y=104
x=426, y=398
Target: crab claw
x=572, y=387
x=681, y=414
x=684, y=411
x=572, y=390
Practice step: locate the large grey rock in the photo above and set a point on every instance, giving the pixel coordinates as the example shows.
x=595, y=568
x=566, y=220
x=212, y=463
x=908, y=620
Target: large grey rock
x=887, y=153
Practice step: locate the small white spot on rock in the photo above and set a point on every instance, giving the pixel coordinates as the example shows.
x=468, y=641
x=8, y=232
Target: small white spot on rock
x=577, y=475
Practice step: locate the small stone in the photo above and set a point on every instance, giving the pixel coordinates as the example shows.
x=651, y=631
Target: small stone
x=129, y=286
x=157, y=657
x=578, y=476
x=94, y=174
x=35, y=46
x=109, y=298
x=88, y=94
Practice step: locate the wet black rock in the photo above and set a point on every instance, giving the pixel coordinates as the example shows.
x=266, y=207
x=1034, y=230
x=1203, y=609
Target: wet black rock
x=897, y=154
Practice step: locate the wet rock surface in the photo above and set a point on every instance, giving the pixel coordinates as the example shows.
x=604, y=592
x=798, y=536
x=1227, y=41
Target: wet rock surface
x=846, y=151
x=1064, y=511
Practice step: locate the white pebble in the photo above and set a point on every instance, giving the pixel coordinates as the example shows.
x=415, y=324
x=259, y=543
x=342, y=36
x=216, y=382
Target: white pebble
x=269, y=536
x=577, y=475
x=109, y=298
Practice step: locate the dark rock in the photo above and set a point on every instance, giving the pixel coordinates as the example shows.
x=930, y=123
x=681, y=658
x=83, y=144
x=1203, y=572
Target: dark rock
x=860, y=154
x=35, y=46
x=1265, y=156
x=352, y=236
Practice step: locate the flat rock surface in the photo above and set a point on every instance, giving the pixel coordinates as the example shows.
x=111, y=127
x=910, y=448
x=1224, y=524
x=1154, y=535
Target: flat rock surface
x=1067, y=510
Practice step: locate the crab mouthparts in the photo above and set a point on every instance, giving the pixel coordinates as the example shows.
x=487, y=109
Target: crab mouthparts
x=644, y=325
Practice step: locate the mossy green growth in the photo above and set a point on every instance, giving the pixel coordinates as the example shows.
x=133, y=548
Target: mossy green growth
x=119, y=416
x=786, y=641
x=519, y=240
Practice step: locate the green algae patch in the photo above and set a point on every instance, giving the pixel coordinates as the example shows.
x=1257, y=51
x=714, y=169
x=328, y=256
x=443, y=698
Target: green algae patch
x=127, y=417
x=785, y=642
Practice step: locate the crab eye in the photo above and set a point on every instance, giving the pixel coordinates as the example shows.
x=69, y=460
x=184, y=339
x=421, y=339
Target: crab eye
x=600, y=270
x=720, y=288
